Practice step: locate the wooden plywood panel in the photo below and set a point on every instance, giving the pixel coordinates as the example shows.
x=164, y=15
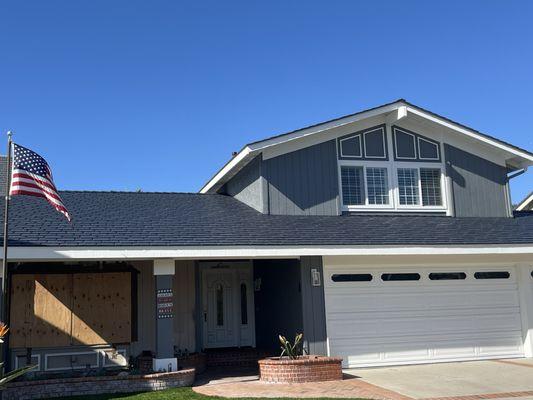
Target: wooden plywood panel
x=40, y=310
x=184, y=306
x=21, y=310
x=101, y=311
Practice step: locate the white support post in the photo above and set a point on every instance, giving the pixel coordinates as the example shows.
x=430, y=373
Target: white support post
x=525, y=289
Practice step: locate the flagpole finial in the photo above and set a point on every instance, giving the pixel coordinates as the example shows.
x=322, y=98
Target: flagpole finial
x=9, y=134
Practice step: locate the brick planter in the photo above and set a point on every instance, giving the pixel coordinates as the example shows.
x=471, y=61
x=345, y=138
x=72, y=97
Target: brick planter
x=304, y=369
x=43, y=389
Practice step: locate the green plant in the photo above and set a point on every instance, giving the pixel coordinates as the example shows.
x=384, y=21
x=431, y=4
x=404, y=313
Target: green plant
x=291, y=350
x=11, y=375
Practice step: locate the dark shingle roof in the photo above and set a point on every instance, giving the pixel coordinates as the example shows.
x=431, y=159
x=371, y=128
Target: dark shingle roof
x=184, y=219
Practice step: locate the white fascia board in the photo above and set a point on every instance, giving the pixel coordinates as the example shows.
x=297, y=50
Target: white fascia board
x=151, y=253
x=324, y=127
x=525, y=203
x=259, y=146
x=470, y=133
x=226, y=169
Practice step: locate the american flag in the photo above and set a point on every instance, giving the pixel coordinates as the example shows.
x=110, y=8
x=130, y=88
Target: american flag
x=32, y=176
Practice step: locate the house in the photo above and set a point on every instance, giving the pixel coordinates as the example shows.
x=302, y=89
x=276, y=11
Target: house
x=526, y=204
x=387, y=237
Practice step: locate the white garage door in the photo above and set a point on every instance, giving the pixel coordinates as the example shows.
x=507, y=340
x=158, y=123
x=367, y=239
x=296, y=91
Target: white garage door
x=407, y=316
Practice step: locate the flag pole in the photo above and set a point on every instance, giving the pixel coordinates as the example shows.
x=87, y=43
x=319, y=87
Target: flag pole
x=6, y=222
x=5, y=297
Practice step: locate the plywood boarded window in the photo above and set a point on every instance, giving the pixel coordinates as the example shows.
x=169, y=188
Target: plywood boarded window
x=57, y=310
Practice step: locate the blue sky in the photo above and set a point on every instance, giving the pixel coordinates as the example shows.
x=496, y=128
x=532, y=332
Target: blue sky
x=157, y=94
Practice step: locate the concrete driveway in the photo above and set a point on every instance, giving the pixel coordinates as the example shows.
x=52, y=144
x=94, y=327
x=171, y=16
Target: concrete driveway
x=483, y=379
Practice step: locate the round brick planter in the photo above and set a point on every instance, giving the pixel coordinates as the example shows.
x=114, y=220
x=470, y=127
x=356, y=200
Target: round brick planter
x=303, y=369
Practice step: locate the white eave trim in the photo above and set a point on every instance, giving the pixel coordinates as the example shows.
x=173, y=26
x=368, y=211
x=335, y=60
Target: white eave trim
x=470, y=133
x=226, y=169
x=398, y=111
x=525, y=203
x=17, y=254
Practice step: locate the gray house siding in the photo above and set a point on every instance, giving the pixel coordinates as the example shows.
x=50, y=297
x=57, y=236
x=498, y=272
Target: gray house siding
x=478, y=185
x=248, y=186
x=313, y=307
x=303, y=182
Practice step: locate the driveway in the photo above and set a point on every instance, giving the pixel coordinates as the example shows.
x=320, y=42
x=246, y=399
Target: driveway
x=484, y=379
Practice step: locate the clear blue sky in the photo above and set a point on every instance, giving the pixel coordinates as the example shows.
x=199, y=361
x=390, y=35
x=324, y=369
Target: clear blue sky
x=157, y=94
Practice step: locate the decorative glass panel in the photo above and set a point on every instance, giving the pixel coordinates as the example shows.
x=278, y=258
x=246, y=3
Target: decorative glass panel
x=351, y=147
x=408, y=186
x=405, y=145
x=244, y=304
x=377, y=184
x=375, y=144
x=220, y=305
x=427, y=150
x=431, y=190
x=353, y=191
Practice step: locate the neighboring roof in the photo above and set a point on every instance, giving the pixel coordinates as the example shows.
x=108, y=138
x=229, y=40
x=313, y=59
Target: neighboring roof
x=526, y=204
x=248, y=151
x=183, y=219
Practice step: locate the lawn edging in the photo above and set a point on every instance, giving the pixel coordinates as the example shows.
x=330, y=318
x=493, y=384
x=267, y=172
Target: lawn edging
x=91, y=385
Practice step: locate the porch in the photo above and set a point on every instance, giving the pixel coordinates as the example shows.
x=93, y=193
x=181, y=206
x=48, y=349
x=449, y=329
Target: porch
x=73, y=317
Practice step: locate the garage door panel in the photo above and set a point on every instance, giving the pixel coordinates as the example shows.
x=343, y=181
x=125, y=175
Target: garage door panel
x=383, y=323
x=381, y=301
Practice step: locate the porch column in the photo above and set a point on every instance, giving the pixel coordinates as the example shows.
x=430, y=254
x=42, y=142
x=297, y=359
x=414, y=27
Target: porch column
x=164, y=271
x=313, y=305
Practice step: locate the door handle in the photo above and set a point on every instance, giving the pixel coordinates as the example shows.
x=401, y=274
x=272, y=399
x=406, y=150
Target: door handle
x=205, y=316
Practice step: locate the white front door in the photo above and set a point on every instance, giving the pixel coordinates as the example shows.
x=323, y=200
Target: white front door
x=228, y=307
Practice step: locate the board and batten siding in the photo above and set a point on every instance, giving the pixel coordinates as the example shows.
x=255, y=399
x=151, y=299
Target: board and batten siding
x=479, y=187
x=248, y=186
x=303, y=182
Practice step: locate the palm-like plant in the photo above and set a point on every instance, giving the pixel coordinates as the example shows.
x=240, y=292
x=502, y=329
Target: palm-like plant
x=291, y=350
x=6, y=378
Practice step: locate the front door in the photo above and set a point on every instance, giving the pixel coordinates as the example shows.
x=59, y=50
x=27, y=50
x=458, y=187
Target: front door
x=228, y=310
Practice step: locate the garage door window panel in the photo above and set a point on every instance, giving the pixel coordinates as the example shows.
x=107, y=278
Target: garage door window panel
x=351, y=277
x=492, y=275
x=447, y=276
x=400, y=277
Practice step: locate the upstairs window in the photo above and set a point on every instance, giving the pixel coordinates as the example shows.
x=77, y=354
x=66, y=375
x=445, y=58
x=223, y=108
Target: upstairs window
x=365, y=186
x=420, y=187
x=408, y=187
x=352, y=185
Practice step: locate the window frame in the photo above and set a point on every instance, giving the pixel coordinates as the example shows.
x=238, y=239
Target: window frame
x=367, y=206
x=420, y=207
x=394, y=191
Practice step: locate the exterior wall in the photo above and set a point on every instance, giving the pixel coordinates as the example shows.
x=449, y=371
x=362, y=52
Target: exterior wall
x=145, y=308
x=479, y=186
x=313, y=306
x=185, y=306
x=248, y=186
x=304, y=182
x=278, y=304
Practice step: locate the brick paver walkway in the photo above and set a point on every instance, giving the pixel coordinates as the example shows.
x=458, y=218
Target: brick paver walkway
x=252, y=387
